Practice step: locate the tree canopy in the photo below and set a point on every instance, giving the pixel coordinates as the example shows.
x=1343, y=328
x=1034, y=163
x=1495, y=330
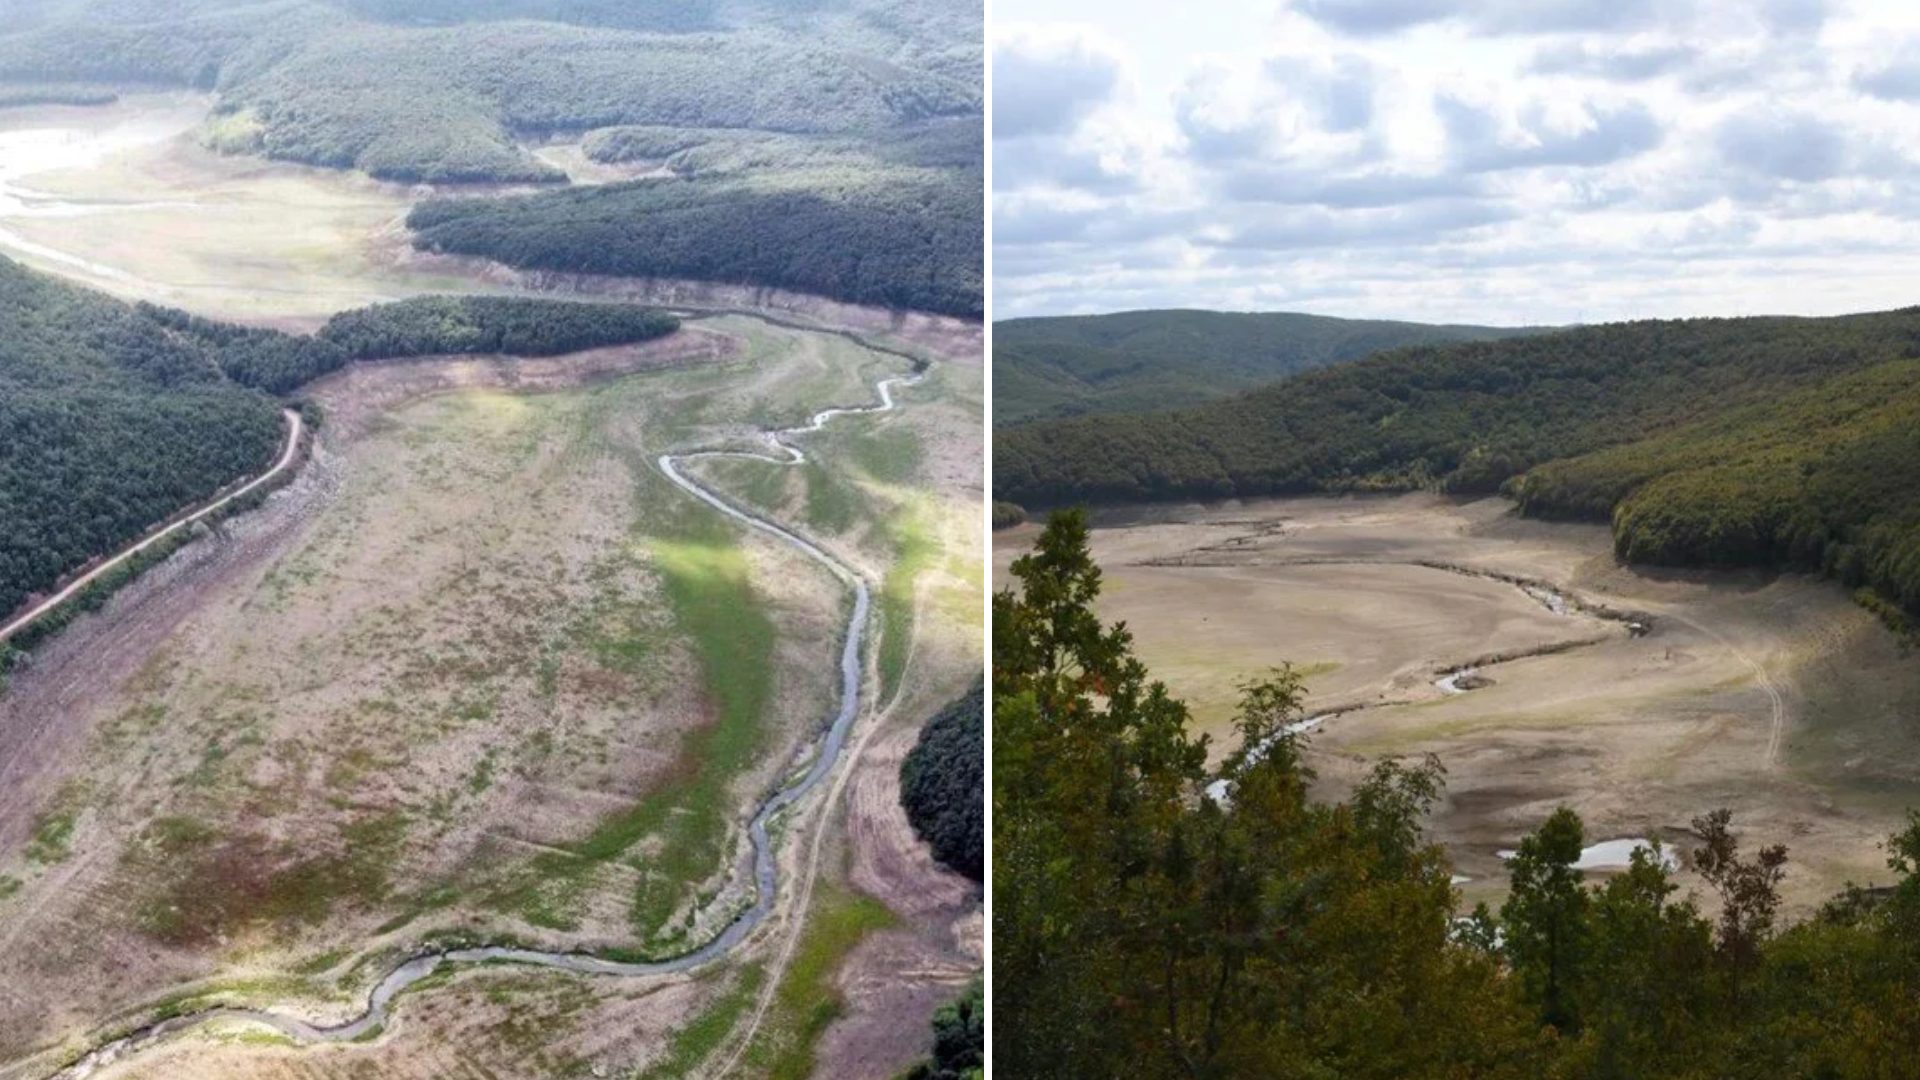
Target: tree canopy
x=895, y=236
x=959, y=1040
x=943, y=784
x=108, y=425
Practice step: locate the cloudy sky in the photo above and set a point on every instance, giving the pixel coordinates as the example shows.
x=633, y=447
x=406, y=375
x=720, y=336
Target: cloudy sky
x=1498, y=161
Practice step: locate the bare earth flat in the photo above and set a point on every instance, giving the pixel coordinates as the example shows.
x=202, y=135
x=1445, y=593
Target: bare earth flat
x=1771, y=695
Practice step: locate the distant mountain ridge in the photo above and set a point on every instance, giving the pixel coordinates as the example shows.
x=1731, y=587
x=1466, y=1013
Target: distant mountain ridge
x=1057, y=366
x=1767, y=441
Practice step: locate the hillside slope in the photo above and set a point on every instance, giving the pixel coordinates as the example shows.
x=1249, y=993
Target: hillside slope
x=1762, y=441
x=834, y=147
x=896, y=225
x=116, y=416
x=442, y=90
x=1138, y=360
x=113, y=423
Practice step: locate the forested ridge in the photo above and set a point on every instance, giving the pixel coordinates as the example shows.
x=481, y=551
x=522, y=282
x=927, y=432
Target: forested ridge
x=942, y=781
x=423, y=326
x=833, y=147
x=113, y=417
x=517, y=326
x=108, y=424
x=1131, y=361
x=444, y=90
x=1144, y=928
x=1721, y=442
x=846, y=225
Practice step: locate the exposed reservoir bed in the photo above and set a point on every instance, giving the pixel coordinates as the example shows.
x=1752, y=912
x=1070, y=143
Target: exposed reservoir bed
x=1540, y=671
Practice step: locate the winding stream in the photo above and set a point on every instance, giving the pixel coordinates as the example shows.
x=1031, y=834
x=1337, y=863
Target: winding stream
x=766, y=879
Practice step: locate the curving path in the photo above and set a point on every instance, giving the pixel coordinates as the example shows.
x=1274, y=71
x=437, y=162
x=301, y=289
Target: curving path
x=294, y=428
x=1777, y=700
x=766, y=878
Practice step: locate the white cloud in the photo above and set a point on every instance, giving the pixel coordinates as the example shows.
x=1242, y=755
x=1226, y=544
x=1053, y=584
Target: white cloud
x=1049, y=78
x=1503, y=161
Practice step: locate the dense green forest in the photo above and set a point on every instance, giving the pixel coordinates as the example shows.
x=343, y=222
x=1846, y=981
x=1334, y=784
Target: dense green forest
x=899, y=236
x=259, y=359
x=515, y=326
x=443, y=91
x=941, y=782
x=833, y=147
x=1145, y=929
x=424, y=326
x=698, y=152
x=1769, y=441
x=108, y=424
x=1132, y=361
x=959, y=1040
x=1824, y=478
x=116, y=416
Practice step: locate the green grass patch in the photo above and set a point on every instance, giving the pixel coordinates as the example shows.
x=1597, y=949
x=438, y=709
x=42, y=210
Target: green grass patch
x=322, y=963
x=833, y=506
x=708, y=586
x=257, y=1038
x=693, y=1044
x=214, y=885
x=915, y=549
x=52, y=839
x=237, y=132
x=807, y=1001
x=891, y=455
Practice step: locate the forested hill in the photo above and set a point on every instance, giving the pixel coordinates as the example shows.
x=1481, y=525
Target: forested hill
x=1705, y=441
x=833, y=147
x=1137, y=360
x=113, y=417
x=910, y=242
x=108, y=424
x=445, y=90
